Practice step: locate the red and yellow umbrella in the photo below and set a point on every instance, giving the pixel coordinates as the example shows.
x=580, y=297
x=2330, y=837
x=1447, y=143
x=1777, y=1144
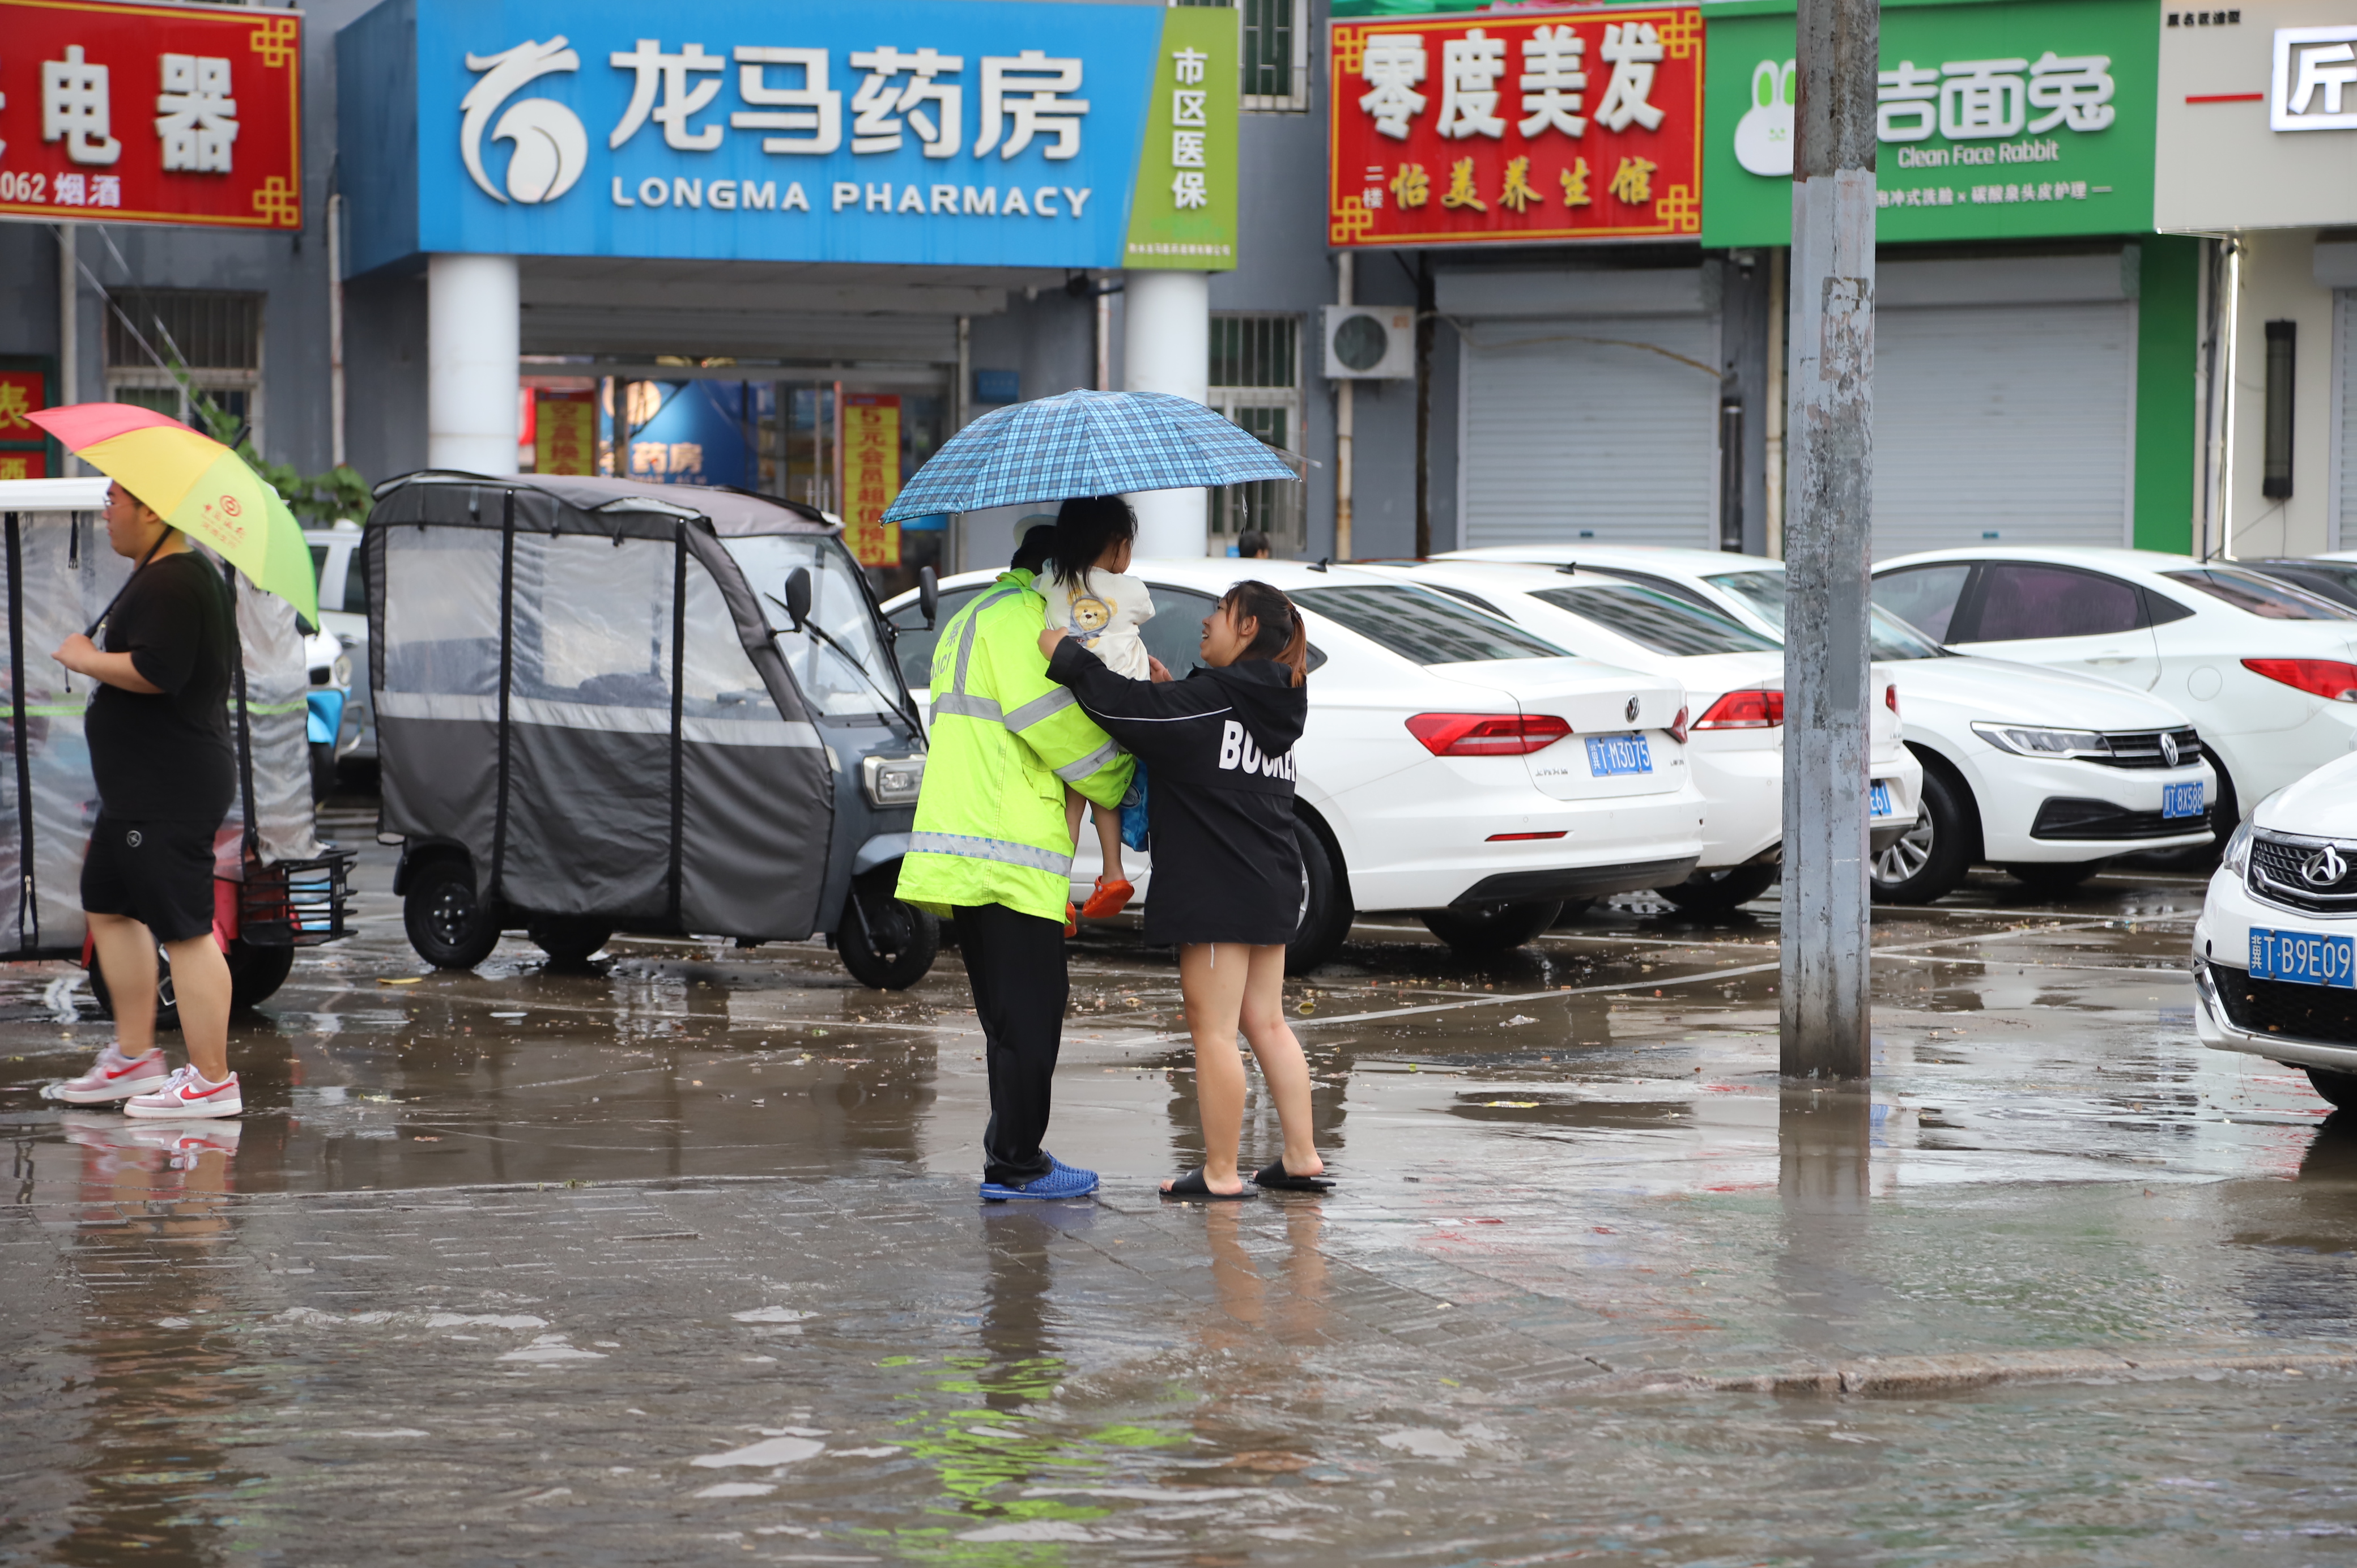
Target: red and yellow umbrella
x=197, y=486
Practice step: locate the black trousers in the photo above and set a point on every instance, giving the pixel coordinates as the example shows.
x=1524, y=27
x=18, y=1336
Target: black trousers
x=1015, y=965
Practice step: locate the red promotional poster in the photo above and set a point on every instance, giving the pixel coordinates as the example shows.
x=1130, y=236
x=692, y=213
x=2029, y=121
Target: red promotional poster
x=151, y=113
x=1511, y=127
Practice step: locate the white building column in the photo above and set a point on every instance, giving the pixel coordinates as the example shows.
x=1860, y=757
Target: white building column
x=474, y=334
x=1167, y=347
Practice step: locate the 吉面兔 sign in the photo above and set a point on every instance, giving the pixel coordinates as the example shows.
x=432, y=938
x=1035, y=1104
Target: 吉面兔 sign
x=1513, y=128
x=981, y=132
x=1994, y=121
x=151, y=113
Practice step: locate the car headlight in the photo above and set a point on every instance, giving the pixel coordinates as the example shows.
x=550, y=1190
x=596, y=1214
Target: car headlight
x=343, y=668
x=2026, y=740
x=2237, y=858
x=892, y=781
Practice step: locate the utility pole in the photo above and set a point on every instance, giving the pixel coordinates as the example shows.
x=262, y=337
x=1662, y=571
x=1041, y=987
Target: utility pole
x=1828, y=511
x=1345, y=406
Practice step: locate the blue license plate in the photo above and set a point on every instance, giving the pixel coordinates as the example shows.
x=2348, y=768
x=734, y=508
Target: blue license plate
x=2181, y=800
x=2303, y=959
x=1878, y=798
x=1612, y=753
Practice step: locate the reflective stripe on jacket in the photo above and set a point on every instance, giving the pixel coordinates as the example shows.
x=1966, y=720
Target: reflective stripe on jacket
x=1005, y=740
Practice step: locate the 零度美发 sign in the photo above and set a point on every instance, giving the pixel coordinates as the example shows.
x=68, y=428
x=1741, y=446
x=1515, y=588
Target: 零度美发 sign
x=2258, y=117
x=976, y=133
x=1516, y=127
x=2008, y=120
x=151, y=113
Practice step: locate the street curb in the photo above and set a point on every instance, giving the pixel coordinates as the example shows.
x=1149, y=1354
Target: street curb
x=1902, y=1375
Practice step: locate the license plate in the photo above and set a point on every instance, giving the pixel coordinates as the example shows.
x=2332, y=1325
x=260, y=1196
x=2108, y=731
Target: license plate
x=1612, y=753
x=2181, y=800
x=2303, y=959
x=1878, y=798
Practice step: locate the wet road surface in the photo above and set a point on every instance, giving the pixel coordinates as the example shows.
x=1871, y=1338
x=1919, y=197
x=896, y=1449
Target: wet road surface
x=680, y=1261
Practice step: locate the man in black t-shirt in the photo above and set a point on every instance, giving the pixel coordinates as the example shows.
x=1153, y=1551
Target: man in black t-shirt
x=160, y=754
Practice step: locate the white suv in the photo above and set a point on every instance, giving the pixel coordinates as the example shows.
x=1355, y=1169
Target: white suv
x=1454, y=765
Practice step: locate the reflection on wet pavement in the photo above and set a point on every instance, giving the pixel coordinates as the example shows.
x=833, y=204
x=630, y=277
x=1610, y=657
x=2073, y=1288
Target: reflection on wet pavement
x=679, y=1258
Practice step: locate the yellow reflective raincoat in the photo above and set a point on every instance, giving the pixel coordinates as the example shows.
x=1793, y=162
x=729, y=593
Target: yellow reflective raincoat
x=1006, y=741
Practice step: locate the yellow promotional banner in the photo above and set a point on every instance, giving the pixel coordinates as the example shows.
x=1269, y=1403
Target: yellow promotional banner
x=565, y=432
x=871, y=476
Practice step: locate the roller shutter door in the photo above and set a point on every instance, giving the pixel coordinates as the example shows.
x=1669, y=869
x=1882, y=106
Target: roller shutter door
x=2003, y=422
x=1566, y=437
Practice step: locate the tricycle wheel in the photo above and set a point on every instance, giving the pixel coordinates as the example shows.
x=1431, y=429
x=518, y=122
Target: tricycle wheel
x=255, y=973
x=569, y=941
x=885, y=943
x=167, y=1007
x=447, y=922
x=2339, y=1089
x=1721, y=892
x=323, y=770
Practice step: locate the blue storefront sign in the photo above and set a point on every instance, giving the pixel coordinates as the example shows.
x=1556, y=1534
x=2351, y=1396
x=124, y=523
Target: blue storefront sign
x=947, y=132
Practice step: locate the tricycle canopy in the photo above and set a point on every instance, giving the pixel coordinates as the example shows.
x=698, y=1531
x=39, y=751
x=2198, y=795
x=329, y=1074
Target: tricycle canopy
x=594, y=693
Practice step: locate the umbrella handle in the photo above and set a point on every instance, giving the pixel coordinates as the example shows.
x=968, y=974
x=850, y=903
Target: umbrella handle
x=91, y=630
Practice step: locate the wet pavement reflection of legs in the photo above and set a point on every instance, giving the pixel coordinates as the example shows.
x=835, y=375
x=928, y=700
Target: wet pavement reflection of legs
x=679, y=1257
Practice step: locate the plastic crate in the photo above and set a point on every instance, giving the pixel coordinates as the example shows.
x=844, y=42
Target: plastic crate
x=296, y=903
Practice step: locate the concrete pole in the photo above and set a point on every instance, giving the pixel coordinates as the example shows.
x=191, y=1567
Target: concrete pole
x=474, y=334
x=1165, y=341
x=1827, y=536
x=336, y=331
x=1346, y=420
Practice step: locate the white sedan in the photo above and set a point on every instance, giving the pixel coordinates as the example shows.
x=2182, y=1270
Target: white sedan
x=2044, y=772
x=1454, y=765
x=2266, y=672
x=1734, y=679
x=2272, y=967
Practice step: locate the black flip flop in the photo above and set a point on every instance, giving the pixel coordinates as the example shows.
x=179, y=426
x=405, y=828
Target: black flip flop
x=1193, y=1185
x=1277, y=1179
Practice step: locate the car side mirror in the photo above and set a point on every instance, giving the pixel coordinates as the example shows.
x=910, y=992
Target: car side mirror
x=798, y=596
x=929, y=595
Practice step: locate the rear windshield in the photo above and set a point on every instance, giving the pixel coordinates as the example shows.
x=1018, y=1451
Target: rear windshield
x=1655, y=620
x=1423, y=627
x=2262, y=596
x=1888, y=635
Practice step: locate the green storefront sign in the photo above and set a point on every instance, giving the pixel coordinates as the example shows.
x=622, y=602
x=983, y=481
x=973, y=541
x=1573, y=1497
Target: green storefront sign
x=1998, y=120
x=1183, y=216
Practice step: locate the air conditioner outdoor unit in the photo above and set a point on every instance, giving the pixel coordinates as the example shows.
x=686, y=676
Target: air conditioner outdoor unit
x=1370, y=342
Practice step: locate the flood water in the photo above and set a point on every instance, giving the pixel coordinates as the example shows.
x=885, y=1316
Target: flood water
x=680, y=1259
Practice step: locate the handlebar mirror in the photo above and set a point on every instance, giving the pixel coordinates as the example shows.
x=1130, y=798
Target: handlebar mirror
x=929, y=595
x=798, y=596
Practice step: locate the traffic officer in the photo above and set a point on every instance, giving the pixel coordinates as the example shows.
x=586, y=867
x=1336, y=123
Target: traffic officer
x=990, y=849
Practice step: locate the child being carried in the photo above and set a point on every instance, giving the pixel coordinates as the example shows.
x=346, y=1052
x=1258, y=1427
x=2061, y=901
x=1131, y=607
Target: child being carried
x=1096, y=600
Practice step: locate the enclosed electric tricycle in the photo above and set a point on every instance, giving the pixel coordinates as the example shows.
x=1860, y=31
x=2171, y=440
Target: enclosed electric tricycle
x=276, y=887
x=602, y=707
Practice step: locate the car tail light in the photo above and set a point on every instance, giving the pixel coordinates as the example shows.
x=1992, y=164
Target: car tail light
x=1891, y=698
x=1516, y=838
x=1487, y=735
x=1678, y=725
x=2327, y=678
x=1744, y=710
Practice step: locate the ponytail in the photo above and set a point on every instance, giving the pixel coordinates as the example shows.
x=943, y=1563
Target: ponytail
x=1280, y=634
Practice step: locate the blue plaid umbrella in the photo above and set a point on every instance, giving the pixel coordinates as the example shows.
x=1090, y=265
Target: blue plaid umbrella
x=1086, y=444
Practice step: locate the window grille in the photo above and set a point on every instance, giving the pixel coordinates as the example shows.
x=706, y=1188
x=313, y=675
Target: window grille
x=213, y=335
x=1276, y=52
x=1256, y=382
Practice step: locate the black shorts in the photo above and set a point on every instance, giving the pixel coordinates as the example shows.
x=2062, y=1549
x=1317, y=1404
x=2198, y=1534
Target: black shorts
x=159, y=873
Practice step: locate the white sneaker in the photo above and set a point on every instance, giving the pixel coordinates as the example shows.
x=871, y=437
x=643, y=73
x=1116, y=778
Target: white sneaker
x=188, y=1095
x=112, y=1077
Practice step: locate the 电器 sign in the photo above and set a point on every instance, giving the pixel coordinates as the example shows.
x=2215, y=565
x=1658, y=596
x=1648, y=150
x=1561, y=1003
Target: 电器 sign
x=932, y=131
x=151, y=113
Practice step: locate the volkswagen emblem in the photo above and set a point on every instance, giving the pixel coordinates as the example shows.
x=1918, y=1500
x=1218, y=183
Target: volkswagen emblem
x=1631, y=710
x=2324, y=868
x=2167, y=749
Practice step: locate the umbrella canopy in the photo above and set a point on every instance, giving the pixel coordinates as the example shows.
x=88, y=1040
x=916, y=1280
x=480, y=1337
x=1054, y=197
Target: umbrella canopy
x=1086, y=444
x=197, y=486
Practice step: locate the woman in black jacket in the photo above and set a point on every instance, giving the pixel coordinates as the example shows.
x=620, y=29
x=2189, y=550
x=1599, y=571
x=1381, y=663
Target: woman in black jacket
x=1227, y=874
